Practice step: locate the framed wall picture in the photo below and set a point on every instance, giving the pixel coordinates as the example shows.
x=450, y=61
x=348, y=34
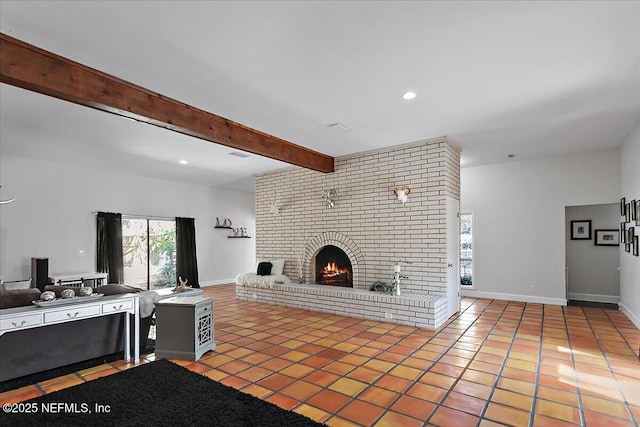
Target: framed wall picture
x=632, y=209
x=581, y=230
x=623, y=203
x=636, y=250
x=607, y=238
x=623, y=232
x=630, y=234
x=638, y=212
x=627, y=212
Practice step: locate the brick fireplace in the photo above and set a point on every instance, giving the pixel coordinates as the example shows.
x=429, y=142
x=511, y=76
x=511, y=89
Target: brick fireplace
x=371, y=227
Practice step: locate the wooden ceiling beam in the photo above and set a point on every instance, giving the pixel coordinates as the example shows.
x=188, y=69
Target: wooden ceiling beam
x=29, y=67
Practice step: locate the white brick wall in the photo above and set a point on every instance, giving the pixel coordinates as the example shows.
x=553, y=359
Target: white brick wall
x=378, y=227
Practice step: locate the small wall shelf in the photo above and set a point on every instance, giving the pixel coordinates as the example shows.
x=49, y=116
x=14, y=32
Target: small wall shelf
x=239, y=237
x=221, y=226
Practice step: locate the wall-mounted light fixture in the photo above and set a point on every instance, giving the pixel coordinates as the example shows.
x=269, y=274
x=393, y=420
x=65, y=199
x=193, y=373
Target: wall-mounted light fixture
x=402, y=194
x=329, y=197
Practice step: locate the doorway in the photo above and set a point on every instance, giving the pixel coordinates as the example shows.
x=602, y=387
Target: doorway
x=592, y=256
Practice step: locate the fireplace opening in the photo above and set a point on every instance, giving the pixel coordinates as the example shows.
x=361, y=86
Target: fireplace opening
x=333, y=267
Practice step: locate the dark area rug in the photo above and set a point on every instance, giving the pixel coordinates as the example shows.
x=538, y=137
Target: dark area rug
x=69, y=369
x=159, y=393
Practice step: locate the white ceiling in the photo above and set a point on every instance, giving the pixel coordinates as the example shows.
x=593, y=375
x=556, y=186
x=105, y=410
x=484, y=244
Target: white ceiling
x=524, y=78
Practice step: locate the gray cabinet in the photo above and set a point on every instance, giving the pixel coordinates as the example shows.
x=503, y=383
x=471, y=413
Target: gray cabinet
x=184, y=327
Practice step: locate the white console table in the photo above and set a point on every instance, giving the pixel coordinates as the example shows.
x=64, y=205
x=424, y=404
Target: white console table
x=79, y=279
x=19, y=318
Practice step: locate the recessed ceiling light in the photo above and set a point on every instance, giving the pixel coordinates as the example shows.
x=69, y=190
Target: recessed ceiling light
x=408, y=95
x=183, y=162
x=510, y=156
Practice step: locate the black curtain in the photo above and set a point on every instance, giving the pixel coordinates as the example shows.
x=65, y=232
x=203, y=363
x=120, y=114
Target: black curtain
x=186, y=262
x=110, y=246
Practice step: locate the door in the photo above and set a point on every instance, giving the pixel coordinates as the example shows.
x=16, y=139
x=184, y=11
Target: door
x=453, y=256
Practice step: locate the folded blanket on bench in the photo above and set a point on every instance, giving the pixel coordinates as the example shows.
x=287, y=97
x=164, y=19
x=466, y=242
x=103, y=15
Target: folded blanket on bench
x=252, y=280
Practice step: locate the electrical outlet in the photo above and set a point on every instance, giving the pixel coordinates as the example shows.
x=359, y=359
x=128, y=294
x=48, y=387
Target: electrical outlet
x=532, y=289
x=388, y=316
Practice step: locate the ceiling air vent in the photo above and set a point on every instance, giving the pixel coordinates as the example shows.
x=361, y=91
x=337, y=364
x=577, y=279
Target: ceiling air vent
x=240, y=154
x=339, y=127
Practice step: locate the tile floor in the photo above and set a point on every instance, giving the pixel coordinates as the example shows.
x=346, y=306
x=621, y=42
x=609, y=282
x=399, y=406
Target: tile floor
x=496, y=363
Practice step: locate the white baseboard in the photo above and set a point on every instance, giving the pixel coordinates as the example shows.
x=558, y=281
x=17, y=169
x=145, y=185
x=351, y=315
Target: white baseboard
x=513, y=297
x=612, y=299
x=217, y=282
x=634, y=319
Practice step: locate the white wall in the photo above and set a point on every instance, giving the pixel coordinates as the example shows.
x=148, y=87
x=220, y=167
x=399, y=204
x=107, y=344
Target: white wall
x=53, y=217
x=519, y=208
x=593, y=270
x=629, y=264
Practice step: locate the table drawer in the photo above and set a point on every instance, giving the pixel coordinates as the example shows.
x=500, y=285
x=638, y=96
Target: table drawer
x=72, y=313
x=19, y=322
x=204, y=308
x=117, y=306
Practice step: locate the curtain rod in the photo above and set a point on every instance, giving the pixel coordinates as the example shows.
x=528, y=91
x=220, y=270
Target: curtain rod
x=152, y=217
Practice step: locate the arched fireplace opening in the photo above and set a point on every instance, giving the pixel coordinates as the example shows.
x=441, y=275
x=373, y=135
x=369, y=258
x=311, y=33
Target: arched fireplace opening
x=333, y=267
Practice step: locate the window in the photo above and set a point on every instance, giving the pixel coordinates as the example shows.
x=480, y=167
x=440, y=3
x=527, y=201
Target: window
x=466, y=249
x=149, y=252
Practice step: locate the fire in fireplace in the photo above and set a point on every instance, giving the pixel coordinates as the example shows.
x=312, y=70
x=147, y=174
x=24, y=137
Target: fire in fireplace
x=333, y=267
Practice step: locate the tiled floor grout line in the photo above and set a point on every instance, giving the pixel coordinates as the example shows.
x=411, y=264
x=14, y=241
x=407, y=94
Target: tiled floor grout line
x=536, y=384
x=576, y=384
x=606, y=360
x=504, y=362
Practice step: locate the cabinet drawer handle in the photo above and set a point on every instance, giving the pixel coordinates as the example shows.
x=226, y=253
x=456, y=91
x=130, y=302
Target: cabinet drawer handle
x=73, y=316
x=15, y=325
x=118, y=308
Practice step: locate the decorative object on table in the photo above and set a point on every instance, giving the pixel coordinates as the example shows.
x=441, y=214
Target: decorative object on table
x=85, y=291
x=67, y=301
x=243, y=232
x=607, y=238
x=68, y=293
x=4, y=202
x=402, y=194
x=218, y=225
x=329, y=197
x=397, y=268
x=182, y=286
x=274, y=205
x=581, y=230
x=47, y=296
